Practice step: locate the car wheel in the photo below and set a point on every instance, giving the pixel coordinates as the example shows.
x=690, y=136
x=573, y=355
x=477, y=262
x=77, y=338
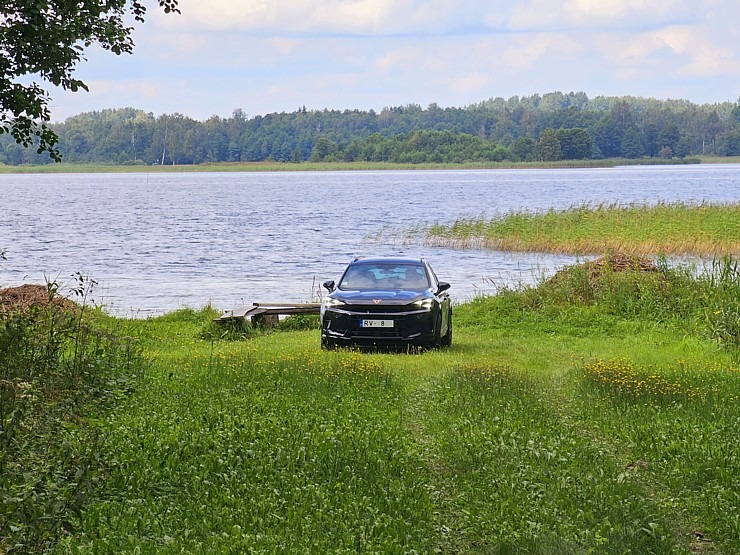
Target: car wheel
x=327, y=345
x=447, y=339
x=437, y=341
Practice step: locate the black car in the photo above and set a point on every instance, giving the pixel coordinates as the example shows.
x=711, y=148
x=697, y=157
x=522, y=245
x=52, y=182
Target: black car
x=387, y=301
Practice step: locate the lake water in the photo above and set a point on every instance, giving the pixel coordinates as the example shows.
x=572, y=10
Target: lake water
x=158, y=242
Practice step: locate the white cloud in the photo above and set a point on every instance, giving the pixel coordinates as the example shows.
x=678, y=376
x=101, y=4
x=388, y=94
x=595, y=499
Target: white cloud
x=472, y=84
x=526, y=52
x=400, y=59
x=344, y=17
x=706, y=57
x=618, y=49
x=691, y=51
x=588, y=12
x=603, y=14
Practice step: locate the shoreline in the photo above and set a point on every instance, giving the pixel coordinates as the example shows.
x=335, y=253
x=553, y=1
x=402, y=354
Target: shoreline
x=354, y=166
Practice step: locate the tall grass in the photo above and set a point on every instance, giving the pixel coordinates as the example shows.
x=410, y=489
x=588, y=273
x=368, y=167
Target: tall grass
x=59, y=366
x=680, y=228
x=703, y=303
x=267, y=166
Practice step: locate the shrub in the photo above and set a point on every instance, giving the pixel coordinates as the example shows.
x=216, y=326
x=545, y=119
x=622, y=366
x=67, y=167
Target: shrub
x=59, y=364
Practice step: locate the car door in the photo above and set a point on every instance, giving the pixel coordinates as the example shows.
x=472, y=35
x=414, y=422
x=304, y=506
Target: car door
x=443, y=297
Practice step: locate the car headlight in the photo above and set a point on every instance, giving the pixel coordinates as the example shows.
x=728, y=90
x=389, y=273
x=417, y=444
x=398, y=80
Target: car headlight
x=425, y=304
x=330, y=302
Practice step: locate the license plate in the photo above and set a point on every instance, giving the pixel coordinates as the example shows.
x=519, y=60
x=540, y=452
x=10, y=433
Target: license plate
x=376, y=323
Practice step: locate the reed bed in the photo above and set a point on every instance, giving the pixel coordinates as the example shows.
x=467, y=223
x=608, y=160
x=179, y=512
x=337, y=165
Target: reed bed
x=670, y=229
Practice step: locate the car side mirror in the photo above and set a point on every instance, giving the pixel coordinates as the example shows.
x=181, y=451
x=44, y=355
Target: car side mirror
x=329, y=285
x=443, y=286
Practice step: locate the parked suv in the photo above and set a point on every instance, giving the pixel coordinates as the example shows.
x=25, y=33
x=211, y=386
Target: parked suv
x=387, y=301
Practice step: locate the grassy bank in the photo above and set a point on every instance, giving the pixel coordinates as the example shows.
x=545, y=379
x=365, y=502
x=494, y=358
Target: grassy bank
x=337, y=166
x=704, y=229
x=594, y=412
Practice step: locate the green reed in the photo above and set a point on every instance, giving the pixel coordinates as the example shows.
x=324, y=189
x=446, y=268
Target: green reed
x=678, y=228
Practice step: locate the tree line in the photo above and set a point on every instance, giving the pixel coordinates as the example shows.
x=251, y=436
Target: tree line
x=554, y=126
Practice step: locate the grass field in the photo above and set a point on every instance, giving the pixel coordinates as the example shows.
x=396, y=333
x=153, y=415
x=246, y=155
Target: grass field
x=588, y=414
x=678, y=228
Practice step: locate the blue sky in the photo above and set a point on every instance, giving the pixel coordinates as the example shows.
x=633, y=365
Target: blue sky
x=278, y=55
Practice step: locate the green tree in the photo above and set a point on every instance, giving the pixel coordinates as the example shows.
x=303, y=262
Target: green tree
x=575, y=144
x=524, y=149
x=729, y=144
x=548, y=146
x=684, y=146
x=45, y=39
x=669, y=136
x=632, y=144
x=609, y=131
x=736, y=111
x=323, y=150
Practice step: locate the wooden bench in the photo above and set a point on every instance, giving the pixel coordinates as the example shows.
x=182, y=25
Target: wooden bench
x=268, y=314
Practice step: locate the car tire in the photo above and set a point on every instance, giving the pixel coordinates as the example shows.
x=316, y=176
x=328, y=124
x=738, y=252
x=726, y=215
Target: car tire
x=327, y=345
x=447, y=338
x=437, y=341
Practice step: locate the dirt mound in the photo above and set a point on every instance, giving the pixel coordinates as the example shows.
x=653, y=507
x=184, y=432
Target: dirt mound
x=24, y=297
x=611, y=263
x=619, y=262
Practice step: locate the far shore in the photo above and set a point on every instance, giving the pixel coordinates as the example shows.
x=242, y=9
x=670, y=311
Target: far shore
x=270, y=166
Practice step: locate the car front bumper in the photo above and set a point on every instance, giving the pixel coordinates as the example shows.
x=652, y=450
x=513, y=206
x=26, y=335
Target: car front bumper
x=342, y=327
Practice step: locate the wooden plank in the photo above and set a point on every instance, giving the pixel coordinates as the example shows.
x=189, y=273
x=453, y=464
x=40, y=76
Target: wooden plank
x=287, y=310
x=260, y=311
x=296, y=305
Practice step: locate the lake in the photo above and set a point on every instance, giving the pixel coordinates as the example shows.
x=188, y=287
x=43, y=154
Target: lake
x=158, y=242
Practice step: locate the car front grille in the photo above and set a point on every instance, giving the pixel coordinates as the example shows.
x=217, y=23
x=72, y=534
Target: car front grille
x=381, y=309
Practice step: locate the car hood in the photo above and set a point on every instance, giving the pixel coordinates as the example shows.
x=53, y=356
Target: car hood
x=380, y=297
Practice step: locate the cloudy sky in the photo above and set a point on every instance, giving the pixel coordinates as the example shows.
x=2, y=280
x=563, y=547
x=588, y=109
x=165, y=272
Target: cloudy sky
x=278, y=55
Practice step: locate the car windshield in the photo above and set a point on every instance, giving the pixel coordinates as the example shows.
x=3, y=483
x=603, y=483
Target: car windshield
x=385, y=277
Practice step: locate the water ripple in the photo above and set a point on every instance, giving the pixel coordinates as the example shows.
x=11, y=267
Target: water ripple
x=159, y=242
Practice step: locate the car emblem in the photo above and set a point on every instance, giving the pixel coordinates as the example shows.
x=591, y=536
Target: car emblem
x=377, y=301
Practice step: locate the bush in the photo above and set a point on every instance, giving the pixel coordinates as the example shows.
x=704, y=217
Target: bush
x=59, y=365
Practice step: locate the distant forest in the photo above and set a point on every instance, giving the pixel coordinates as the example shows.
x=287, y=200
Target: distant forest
x=554, y=126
